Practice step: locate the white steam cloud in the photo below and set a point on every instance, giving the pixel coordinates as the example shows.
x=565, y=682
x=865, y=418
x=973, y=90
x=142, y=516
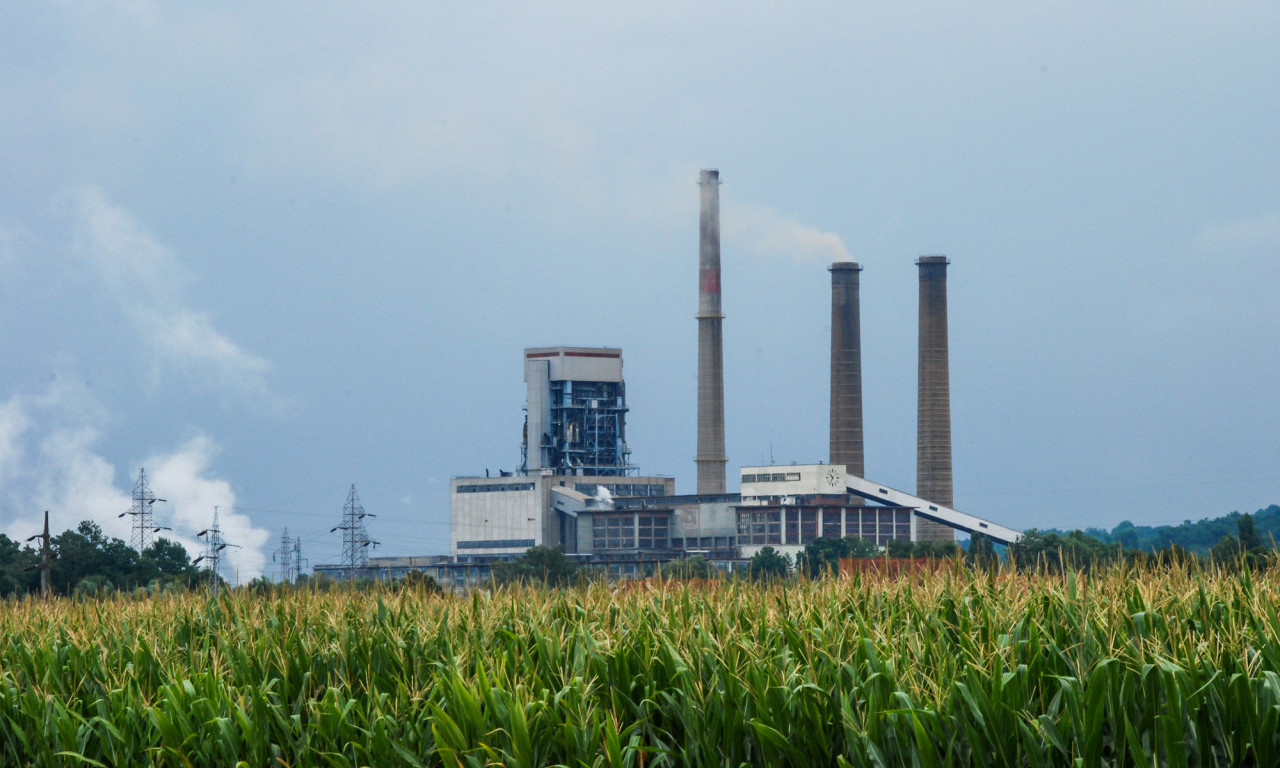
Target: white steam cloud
x=768, y=234
x=49, y=461
x=148, y=281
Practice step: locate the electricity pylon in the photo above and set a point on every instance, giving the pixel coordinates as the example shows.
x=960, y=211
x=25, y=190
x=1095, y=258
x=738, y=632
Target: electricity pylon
x=144, y=524
x=355, y=538
x=213, y=546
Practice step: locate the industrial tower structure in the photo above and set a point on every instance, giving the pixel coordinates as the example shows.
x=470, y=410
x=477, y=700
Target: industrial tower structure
x=711, y=459
x=933, y=409
x=575, y=412
x=846, y=369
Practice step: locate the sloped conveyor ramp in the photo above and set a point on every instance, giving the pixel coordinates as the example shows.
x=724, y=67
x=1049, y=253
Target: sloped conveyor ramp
x=927, y=509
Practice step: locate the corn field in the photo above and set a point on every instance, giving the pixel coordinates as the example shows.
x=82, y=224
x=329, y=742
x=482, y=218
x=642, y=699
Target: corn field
x=951, y=668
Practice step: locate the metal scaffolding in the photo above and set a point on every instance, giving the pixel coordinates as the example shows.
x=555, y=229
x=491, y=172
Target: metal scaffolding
x=587, y=432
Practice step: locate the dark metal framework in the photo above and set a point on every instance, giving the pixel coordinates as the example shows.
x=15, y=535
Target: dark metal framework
x=355, y=537
x=588, y=427
x=144, y=524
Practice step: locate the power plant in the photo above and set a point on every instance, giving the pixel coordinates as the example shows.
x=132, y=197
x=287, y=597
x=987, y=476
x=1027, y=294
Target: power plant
x=576, y=487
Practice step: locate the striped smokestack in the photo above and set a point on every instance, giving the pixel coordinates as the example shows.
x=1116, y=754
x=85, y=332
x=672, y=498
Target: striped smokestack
x=710, y=459
x=846, y=368
x=933, y=417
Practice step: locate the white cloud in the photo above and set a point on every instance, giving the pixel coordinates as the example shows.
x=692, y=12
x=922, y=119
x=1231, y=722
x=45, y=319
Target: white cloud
x=768, y=234
x=49, y=461
x=147, y=280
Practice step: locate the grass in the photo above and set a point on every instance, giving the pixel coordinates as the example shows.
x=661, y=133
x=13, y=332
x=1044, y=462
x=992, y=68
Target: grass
x=1163, y=667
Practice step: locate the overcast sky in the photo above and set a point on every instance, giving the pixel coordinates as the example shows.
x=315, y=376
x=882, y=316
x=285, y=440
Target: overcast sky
x=267, y=250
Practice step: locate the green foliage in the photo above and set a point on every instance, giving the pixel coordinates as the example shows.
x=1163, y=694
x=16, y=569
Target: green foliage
x=695, y=567
x=981, y=553
x=1056, y=553
x=87, y=563
x=1197, y=537
x=822, y=556
x=768, y=565
x=541, y=563
x=417, y=581
x=1133, y=666
x=899, y=548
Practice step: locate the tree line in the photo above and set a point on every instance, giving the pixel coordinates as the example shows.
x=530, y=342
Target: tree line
x=86, y=562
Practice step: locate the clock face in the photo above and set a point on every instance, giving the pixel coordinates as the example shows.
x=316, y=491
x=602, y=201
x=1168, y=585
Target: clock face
x=833, y=478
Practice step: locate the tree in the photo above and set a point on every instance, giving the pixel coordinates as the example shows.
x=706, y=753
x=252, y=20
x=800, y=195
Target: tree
x=900, y=548
x=823, y=555
x=1227, y=551
x=982, y=554
x=1249, y=539
x=548, y=565
x=696, y=567
x=1126, y=535
x=769, y=564
x=418, y=581
x=943, y=550
x=169, y=563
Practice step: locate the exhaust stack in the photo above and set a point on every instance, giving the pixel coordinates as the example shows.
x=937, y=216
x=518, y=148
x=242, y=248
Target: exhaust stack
x=846, y=368
x=933, y=416
x=711, y=459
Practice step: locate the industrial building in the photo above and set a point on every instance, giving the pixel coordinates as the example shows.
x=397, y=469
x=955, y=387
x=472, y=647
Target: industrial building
x=575, y=485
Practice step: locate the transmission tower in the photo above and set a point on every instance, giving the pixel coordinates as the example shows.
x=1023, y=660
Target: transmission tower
x=355, y=539
x=213, y=546
x=144, y=524
x=284, y=556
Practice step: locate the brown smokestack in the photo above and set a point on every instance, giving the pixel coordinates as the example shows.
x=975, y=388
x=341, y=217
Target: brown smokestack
x=846, y=368
x=933, y=417
x=710, y=459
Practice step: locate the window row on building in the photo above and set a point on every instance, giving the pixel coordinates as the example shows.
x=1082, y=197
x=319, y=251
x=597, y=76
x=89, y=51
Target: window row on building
x=791, y=525
x=630, y=531
x=495, y=488
x=496, y=544
x=623, y=489
x=705, y=542
x=772, y=477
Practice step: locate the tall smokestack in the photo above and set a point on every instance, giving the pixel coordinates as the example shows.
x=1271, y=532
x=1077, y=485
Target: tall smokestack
x=846, y=368
x=933, y=418
x=710, y=459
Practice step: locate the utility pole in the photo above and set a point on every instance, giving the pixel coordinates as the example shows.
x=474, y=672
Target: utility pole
x=144, y=524
x=298, y=559
x=46, y=555
x=355, y=538
x=213, y=546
